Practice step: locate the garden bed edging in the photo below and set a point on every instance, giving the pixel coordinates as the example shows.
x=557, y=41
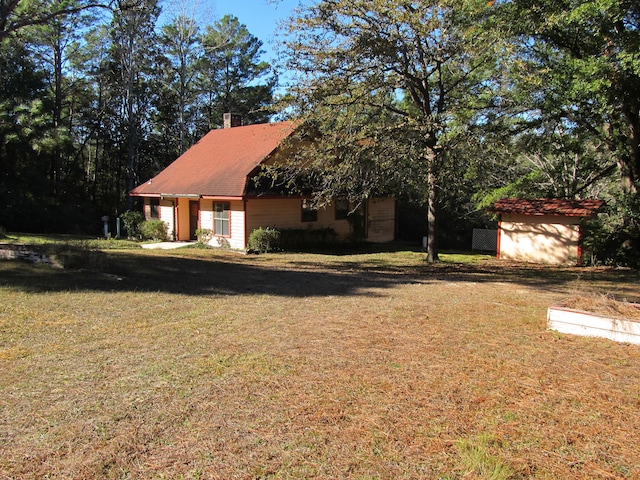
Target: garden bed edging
x=577, y=322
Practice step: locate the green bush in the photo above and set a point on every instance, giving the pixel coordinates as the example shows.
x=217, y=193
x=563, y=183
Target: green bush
x=131, y=221
x=263, y=240
x=613, y=236
x=303, y=239
x=204, y=235
x=223, y=243
x=154, y=230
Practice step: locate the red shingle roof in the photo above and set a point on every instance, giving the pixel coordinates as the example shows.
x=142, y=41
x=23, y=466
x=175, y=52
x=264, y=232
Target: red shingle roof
x=547, y=206
x=219, y=163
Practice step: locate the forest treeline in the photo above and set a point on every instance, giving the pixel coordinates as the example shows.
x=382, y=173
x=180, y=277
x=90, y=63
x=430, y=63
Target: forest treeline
x=97, y=99
x=447, y=104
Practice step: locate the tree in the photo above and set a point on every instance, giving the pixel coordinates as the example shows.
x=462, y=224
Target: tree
x=583, y=66
x=230, y=72
x=21, y=118
x=19, y=14
x=576, y=64
x=95, y=132
x=181, y=48
x=134, y=53
x=54, y=47
x=383, y=82
x=91, y=104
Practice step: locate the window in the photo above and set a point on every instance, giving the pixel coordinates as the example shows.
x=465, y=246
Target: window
x=221, y=216
x=342, y=208
x=309, y=214
x=154, y=207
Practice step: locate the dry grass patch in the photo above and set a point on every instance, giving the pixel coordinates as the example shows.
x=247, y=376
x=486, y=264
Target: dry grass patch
x=604, y=305
x=202, y=364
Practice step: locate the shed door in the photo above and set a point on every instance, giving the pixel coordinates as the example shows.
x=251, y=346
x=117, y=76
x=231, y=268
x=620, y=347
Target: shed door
x=194, y=210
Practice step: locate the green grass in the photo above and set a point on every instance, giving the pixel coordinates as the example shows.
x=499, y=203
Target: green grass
x=477, y=459
x=69, y=241
x=464, y=257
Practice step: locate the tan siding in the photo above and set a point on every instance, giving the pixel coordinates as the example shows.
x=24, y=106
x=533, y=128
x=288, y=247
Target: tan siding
x=381, y=220
x=281, y=213
x=206, y=214
x=166, y=215
x=277, y=213
x=343, y=228
x=236, y=227
x=285, y=213
x=539, y=239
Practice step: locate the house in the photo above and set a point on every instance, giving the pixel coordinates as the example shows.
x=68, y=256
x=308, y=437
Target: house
x=546, y=230
x=208, y=188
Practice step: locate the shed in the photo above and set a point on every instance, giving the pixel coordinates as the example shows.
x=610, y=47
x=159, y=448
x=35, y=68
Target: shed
x=542, y=230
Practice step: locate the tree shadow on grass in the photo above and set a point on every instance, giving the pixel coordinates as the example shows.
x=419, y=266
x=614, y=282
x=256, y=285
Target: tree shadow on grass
x=192, y=276
x=228, y=274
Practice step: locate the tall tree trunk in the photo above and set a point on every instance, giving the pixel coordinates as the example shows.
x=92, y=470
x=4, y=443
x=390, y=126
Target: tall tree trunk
x=432, y=253
x=627, y=180
x=56, y=169
x=629, y=165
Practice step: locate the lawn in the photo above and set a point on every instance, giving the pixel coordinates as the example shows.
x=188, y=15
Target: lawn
x=211, y=364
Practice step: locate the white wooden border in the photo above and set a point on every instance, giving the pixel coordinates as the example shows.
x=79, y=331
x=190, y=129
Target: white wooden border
x=576, y=322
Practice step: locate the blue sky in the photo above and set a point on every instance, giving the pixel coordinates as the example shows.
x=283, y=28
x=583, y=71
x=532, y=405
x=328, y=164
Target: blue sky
x=260, y=16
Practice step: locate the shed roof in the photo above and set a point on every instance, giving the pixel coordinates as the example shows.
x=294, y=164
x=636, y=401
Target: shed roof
x=548, y=206
x=219, y=163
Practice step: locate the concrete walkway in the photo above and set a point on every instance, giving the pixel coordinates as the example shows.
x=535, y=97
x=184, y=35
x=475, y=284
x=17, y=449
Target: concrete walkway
x=166, y=245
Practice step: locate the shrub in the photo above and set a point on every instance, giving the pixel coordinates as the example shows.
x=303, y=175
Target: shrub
x=131, y=221
x=154, y=230
x=263, y=240
x=613, y=237
x=204, y=235
x=224, y=243
x=303, y=239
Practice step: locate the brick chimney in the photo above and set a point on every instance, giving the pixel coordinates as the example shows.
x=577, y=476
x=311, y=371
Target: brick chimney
x=230, y=120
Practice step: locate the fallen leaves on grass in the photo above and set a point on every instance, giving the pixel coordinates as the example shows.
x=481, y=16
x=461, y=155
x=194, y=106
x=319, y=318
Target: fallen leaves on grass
x=209, y=365
x=602, y=304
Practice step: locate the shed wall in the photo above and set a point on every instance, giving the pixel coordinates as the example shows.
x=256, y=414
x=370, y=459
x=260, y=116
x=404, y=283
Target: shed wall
x=540, y=239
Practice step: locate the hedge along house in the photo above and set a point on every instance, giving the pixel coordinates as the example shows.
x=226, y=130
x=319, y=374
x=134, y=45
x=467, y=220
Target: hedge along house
x=210, y=187
x=546, y=230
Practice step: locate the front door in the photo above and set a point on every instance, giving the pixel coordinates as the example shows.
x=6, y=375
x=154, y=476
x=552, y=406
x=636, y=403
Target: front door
x=194, y=210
